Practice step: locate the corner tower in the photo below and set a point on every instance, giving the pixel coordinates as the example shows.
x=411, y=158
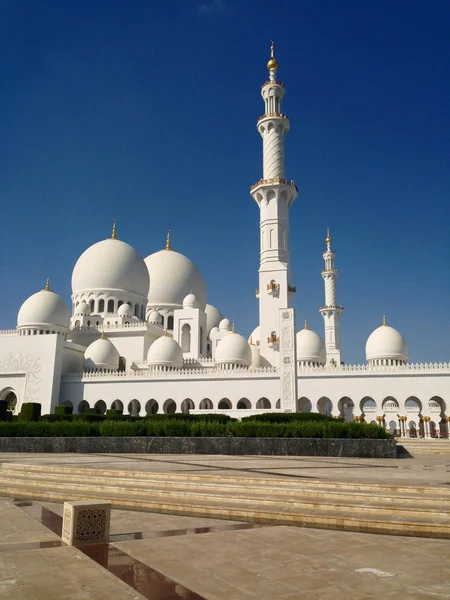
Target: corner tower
x=331, y=312
x=274, y=195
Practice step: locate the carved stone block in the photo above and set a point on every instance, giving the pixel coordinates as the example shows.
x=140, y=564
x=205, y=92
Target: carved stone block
x=86, y=522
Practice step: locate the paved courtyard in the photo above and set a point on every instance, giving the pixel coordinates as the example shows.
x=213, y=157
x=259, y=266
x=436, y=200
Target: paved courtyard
x=169, y=557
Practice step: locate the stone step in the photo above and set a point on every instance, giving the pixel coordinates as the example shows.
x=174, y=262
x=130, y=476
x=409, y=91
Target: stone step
x=364, y=505
x=307, y=492
x=225, y=479
x=353, y=520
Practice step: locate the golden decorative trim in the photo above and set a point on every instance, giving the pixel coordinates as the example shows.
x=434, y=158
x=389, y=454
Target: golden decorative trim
x=114, y=230
x=47, y=285
x=168, y=244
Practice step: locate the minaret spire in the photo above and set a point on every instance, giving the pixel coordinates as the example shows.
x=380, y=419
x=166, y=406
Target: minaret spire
x=47, y=285
x=331, y=312
x=168, y=245
x=274, y=196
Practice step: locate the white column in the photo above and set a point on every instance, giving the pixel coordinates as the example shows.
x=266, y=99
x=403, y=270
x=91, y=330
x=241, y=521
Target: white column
x=288, y=361
x=331, y=312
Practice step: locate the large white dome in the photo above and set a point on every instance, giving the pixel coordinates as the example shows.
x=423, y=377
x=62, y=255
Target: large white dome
x=310, y=347
x=165, y=352
x=172, y=277
x=44, y=309
x=101, y=354
x=213, y=317
x=110, y=265
x=386, y=343
x=233, y=349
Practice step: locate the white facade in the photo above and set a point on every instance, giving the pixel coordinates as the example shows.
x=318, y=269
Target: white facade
x=140, y=335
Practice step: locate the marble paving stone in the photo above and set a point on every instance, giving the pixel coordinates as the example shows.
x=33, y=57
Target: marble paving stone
x=58, y=574
x=309, y=563
x=16, y=527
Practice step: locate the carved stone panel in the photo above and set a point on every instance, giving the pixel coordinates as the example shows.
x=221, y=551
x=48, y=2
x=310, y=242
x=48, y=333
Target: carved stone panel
x=86, y=522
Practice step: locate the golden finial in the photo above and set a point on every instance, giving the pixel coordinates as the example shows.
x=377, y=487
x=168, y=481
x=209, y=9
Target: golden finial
x=102, y=335
x=168, y=245
x=328, y=238
x=306, y=323
x=165, y=331
x=114, y=230
x=384, y=320
x=233, y=329
x=273, y=63
x=47, y=284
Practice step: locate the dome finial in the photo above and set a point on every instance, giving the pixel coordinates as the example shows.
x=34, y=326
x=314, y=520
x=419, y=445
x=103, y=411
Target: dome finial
x=384, y=320
x=273, y=63
x=47, y=284
x=233, y=330
x=114, y=230
x=168, y=245
x=102, y=335
x=328, y=238
x=166, y=332
x=306, y=323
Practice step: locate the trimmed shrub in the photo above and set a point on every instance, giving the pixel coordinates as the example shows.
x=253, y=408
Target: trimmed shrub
x=113, y=428
x=113, y=412
x=63, y=409
x=30, y=411
x=288, y=417
x=52, y=418
x=5, y=415
x=90, y=417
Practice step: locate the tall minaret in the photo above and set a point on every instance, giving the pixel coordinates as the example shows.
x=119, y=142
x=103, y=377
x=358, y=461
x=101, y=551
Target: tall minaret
x=274, y=195
x=331, y=313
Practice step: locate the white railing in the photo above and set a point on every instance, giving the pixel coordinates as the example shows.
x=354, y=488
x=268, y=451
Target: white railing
x=8, y=332
x=162, y=373
x=442, y=367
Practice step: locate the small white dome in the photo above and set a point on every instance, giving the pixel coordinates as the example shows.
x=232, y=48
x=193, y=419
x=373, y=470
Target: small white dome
x=83, y=309
x=125, y=310
x=225, y=325
x=172, y=277
x=110, y=265
x=310, y=347
x=213, y=317
x=213, y=330
x=255, y=336
x=233, y=349
x=44, y=309
x=190, y=301
x=101, y=354
x=386, y=343
x=155, y=317
x=165, y=352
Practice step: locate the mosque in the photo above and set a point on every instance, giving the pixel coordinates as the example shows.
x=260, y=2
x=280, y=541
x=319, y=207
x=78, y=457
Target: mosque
x=140, y=335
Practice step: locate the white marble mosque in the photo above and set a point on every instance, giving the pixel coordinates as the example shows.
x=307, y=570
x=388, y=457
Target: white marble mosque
x=140, y=335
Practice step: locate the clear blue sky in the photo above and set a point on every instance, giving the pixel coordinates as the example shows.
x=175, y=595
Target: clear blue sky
x=146, y=111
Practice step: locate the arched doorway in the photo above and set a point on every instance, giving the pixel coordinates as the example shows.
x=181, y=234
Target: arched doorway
x=134, y=408
x=170, y=407
x=206, y=404
x=368, y=408
x=304, y=405
x=224, y=404
x=324, y=406
x=151, y=407
x=117, y=405
x=263, y=403
x=187, y=405
x=100, y=405
x=243, y=404
x=346, y=408
x=83, y=406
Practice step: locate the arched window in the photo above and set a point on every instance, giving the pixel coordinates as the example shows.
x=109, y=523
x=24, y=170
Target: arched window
x=110, y=306
x=170, y=322
x=186, y=338
x=119, y=304
x=88, y=323
x=122, y=364
x=101, y=306
x=92, y=305
x=77, y=323
x=136, y=310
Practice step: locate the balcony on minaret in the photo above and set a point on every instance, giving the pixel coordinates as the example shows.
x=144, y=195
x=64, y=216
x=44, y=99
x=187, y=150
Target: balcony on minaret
x=273, y=288
x=269, y=115
x=273, y=340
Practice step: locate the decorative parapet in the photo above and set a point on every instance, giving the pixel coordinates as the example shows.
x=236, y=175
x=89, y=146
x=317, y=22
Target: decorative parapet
x=413, y=367
x=269, y=115
x=274, y=180
x=272, y=83
x=8, y=332
x=104, y=327
x=162, y=373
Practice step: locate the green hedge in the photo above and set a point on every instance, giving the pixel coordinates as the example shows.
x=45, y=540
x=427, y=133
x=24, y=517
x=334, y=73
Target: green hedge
x=187, y=428
x=4, y=413
x=30, y=411
x=63, y=409
x=288, y=417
